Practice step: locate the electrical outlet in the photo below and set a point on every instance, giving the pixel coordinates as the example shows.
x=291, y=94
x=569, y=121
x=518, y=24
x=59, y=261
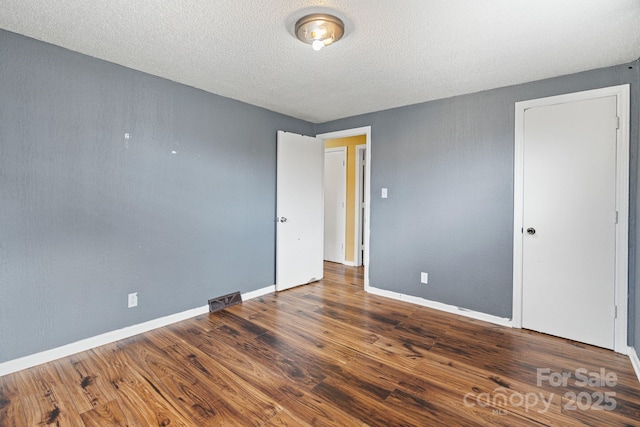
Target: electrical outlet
x=424, y=277
x=133, y=300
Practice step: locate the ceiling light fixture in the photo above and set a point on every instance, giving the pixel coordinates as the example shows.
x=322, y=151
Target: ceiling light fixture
x=319, y=30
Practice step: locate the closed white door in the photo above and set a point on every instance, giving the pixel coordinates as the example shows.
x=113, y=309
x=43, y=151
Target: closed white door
x=335, y=195
x=569, y=219
x=299, y=234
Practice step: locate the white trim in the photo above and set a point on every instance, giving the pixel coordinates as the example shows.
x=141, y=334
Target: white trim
x=258, y=293
x=518, y=216
x=442, y=307
x=349, y=263
x=366, y=130
x=96, y=341
x=112, y=336
x=622, y=202
x=635, y=362
x=357, y=237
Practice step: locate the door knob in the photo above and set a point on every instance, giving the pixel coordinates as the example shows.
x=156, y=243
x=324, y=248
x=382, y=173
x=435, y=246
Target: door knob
x=282, y=219
x=531, y=231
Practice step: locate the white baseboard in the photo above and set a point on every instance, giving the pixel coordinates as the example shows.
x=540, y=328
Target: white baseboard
x=635, y=362
x=109, y=337
x=258, y=293
x=350, y=263
x=441, y=306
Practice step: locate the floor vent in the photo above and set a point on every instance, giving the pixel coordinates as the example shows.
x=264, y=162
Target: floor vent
x=219, y=303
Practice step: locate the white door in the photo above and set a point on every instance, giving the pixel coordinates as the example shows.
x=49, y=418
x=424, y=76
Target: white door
x=335, y=196
x=569, y=220
x=299, y=234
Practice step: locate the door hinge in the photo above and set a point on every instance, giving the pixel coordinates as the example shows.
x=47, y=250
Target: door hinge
x=616, y=217
x=617, y=122
x=343, y=163
x=615, y=312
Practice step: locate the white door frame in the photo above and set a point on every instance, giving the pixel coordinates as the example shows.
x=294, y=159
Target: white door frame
x=622, y=202
x=357, y=232
x=343, y=221
x=366, y=131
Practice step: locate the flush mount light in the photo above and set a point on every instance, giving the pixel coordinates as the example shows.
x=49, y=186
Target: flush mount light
x=319, y=30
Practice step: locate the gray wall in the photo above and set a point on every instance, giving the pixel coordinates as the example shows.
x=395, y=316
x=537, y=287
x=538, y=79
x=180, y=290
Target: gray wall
x=87, y=217
x=448, y=165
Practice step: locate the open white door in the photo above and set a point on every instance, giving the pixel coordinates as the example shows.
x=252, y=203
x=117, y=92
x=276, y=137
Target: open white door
x=300, y=229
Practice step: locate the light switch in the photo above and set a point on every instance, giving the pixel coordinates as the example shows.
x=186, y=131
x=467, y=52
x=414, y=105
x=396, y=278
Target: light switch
x=384, y=193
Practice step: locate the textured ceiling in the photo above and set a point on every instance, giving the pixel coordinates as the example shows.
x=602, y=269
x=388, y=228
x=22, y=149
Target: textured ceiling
x=394, y=53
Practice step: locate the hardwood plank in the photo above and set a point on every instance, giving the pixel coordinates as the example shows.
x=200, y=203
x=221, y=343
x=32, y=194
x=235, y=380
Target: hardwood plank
x=192, y=399
x=284, y=364
x=481, y=395
x=388, y=344
x=286, y=419
x=241, y=399
x=85, y=386
x=141, y=398
x=45, y=398
x=107, y=414
x=12, y=412
x=317, y=411
x=305, y=333
x=372, y=412
x=427, y=411
x=263, y=377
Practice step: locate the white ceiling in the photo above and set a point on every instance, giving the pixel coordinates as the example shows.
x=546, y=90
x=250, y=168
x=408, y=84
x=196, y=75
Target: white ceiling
x=394, y=53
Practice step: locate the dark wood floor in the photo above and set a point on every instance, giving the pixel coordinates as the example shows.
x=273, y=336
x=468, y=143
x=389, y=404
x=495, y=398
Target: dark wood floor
x=326, y=354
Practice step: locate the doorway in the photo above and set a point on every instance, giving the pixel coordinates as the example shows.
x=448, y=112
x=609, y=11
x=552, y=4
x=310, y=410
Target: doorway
x=351, y=183
x=364, y=225
x=571, y=216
